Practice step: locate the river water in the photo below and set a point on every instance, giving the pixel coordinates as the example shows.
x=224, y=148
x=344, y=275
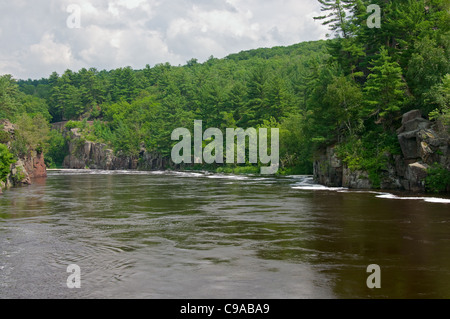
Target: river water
x=202, y=235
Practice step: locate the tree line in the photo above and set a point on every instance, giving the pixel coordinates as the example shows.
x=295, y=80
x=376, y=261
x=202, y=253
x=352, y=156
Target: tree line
x=349, y=90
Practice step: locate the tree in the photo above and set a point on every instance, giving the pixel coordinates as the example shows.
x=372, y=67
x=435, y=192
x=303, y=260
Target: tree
x=65, y=97
x=338, y=18
x=278, y=99
x=255, y=97
x=9, y=98
x=123, y=84
x=427, y=66
x=345, y=99
x=33, y=132
x=385, y=89
x=439, y=97
x=92, y=90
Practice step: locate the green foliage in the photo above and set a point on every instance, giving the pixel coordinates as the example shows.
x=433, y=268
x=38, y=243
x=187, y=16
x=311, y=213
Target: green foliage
x=6, y=159
x=18, y=176
x=4, y=137
x=9, y=98
x=295, y=147
x=439, y=96
x=426, y=69
x=349, y=91
x=438, y=179
x=369, y=153
x=57, y=149
x=337, y=19
x=32, y=133
x=75, y=124
x=34, y=106
x=384, y=89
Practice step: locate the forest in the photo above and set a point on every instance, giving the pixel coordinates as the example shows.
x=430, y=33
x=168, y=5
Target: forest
x=350, y=90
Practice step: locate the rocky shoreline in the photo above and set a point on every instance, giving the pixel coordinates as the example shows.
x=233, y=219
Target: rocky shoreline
x=86, y=154
x=26, y=168
x=422, y=143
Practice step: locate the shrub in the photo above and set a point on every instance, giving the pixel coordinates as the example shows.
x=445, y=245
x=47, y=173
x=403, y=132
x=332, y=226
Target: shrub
x=438, y=179
x=6, y=159
x=57, y=150
x=33, y=131
x=74, y=124
x=4, y=137
x=19, y=146
x=368, y=153
x=19, y=176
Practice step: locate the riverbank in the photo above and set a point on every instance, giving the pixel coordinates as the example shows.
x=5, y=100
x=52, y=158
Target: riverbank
x=423, y=164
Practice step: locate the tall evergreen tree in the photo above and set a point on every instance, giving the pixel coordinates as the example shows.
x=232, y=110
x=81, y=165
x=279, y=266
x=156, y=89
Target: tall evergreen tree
x=385, y=89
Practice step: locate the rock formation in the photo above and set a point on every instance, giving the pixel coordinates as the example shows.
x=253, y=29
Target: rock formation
x=86, y=154
x=422, y=142
x=26, y=168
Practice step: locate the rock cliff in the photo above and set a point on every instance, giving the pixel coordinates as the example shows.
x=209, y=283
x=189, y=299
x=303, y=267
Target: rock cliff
x=423, y=144
x=26, y=168
x=86, y=154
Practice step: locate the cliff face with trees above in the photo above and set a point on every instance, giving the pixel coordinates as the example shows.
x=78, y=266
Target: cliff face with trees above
x=21, y=168
x=339, y=101
x=85, y=154
x=421, y=166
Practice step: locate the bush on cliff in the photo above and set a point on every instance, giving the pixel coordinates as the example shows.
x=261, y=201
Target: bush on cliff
x=6, y=159
x=438, y=179
x=34, y=130
x=4, y=137
x=57, y=149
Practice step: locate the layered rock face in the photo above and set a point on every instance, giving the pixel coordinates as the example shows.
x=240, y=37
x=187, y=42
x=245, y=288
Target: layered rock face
x=25, y=168
x=422, y=143
x=85, y=154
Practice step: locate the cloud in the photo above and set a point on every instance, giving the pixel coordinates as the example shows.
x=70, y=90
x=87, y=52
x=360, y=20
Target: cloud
x=37, y=40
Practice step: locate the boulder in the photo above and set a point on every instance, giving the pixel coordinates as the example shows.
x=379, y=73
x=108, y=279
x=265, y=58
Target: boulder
x=411, y=115
x=355, y=179
x=416, y=174
x=328, y=169
x=408, y=144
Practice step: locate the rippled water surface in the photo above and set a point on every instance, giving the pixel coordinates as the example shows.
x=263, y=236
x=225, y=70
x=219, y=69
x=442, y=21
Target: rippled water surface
x=200, y=235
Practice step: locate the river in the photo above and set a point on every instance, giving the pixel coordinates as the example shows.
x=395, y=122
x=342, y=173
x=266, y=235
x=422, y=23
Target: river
x=202, y=235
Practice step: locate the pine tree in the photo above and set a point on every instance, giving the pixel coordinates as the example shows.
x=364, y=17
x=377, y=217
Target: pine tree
x=385, y=89
x=338, y=18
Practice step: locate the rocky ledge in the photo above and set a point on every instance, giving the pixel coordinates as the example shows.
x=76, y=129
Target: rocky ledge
x=86, y=154
x=423, y=144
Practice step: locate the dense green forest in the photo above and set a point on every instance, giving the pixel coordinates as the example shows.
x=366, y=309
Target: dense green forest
x=350, y=90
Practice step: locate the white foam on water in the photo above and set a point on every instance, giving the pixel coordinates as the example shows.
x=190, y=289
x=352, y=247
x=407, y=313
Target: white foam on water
x=100, y=172
x=233, y=177
x=307, y=183
x=426, y=199
x=187, y=174
x=319, y=188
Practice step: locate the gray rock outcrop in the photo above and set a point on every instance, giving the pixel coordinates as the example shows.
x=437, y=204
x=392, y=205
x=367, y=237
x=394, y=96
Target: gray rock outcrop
x=86, y=154
x=422, y=144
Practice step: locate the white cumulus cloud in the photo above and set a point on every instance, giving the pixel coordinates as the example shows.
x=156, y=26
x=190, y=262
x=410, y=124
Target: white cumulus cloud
x=37, y=40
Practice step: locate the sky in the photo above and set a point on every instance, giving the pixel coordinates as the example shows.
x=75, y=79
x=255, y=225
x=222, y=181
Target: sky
x=38, y=37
